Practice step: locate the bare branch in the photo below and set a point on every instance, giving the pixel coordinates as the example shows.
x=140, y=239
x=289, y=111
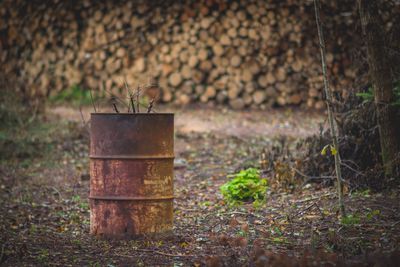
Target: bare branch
x=328, y=94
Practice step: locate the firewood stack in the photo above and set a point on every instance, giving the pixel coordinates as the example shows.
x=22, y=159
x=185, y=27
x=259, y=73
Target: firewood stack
x=247, y=53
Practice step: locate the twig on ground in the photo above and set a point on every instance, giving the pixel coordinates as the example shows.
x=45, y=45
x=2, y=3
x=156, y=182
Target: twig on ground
x=312, y=177
x=351, y=161
x=352, y=169
x=314, y=198
x=320, y=211
x=58, y=192
x=394, y=224
x=157, y=252
x=305, y=209
x=233, y=213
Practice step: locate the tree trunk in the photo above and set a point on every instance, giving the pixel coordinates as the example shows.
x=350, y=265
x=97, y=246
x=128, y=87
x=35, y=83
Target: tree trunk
x=380, y=75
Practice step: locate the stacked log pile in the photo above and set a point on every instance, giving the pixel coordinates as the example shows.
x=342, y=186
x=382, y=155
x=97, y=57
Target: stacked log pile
x=246, y=53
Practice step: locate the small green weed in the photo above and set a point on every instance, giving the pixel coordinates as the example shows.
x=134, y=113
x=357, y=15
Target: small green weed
x=43, y=255
x=276, y=231
x=350, y=219
x=361, y=193
x=241, y=233
x=247, y=185
x=372, y=214
x=33, y=229
x=206, y=203
x=76, y=198
x=84, y=205
x=74, y=217
x=61, y=214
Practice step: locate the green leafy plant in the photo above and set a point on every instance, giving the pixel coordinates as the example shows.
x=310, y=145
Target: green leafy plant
x=80, y=202
x=372, y=214
x=76, y=198
x=43, y=255
x=350, y=219
x=368, y=96
x=245, y=186
x=361, y=193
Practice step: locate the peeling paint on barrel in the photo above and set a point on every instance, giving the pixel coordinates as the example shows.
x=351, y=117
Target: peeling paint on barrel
x=131, y=169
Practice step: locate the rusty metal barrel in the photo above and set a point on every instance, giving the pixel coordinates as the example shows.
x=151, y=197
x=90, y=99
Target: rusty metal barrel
x=131, y=174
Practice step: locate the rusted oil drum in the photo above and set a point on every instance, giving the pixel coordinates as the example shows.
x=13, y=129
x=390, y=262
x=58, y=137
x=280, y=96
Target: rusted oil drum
x=131, y=174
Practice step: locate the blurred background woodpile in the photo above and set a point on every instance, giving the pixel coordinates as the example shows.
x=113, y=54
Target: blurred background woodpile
x=238, y=53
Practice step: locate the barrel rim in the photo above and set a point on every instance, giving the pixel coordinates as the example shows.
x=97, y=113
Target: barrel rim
x=133, y=114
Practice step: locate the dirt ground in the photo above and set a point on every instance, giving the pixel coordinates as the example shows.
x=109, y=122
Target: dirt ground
x=44, y=211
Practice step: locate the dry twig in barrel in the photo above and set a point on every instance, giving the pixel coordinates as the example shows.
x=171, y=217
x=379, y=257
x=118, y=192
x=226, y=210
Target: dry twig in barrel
x=137, y=98
x=114, y=105
x=132, y=104
x=91, y=98
x=150, y=105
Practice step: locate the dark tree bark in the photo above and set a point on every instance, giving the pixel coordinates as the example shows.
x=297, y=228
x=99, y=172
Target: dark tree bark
x=381, y=78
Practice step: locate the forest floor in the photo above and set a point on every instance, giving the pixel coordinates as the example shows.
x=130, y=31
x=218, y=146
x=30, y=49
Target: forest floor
x=44, y=210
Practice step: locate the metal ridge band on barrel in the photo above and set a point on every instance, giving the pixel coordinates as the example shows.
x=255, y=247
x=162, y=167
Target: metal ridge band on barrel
x=130, y=157
x=133, y=198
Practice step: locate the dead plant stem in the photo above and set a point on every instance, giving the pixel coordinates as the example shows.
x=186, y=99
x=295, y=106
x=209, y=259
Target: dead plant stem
x=329, y=109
